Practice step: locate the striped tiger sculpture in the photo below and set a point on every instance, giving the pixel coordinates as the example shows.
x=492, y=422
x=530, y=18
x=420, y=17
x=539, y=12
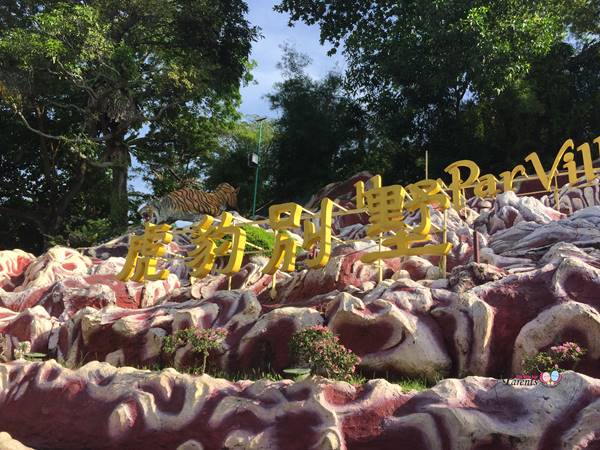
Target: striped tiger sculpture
x=188, y=204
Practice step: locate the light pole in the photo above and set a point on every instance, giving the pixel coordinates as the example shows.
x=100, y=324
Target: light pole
x=260, y=121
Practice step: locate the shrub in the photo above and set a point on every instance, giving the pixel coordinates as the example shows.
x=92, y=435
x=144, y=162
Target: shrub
x=201, y=340
x=320, y=350
x=559, y=357
x=90, y=232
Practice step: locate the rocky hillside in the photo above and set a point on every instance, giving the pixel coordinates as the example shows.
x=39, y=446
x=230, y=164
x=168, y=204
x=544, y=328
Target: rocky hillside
x=537, y=283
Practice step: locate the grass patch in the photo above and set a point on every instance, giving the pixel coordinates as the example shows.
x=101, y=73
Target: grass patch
x=413, y=384
x=251, y=374
x=260, y=237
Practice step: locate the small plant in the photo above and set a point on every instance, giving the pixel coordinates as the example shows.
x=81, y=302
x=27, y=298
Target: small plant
x=318, y=349
x=3, y=348
x=299, y=374
x=22, y=349
x=201, y=340
x=559, y=356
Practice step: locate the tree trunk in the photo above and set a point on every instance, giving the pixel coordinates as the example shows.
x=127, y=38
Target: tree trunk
x=119, y=201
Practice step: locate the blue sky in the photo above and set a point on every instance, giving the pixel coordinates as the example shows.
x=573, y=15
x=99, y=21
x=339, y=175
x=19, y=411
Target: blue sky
x=267, y=53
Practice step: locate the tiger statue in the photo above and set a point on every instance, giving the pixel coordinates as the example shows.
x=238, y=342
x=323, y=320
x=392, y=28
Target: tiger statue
x=187, y=204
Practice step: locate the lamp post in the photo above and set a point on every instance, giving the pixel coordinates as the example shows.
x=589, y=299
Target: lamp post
x=260, y=121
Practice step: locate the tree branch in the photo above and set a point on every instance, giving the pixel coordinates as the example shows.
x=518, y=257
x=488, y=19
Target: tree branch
x=38, y=132
x=162, y=110
x=69, y=196
x=66, y=106
x=99, y=164
x=60, y=138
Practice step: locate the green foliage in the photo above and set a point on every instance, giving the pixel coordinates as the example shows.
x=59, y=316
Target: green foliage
x=299, y=374
x=228, y=163
x=87, y=85
x=251, y=374
x=563, y=356
x=490, y=81
x=201, y=340
x=34, y=356
x=91, y=232
x=3, y=348
x=322, y=133
x=413, y=384
x=320, y=350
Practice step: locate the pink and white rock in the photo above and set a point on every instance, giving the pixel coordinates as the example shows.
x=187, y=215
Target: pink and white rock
x=114, y=248
x=571, y=199
x=341, y=191
x=124, y=336
x=459, y=234
x=466, y=323
x=265, y=345
x=34, y=326
x=249, y=277
x=487, y=256
x=532, y=240
x=389, y=331
x=8, y=443
x=68, y=295
x=508, y=210
x=110, y=266
x=56, y=264
x=416, y=267
x=519, y=299
x=345, y=269
x=13, y=264
x=568, y=320
x=128, y=408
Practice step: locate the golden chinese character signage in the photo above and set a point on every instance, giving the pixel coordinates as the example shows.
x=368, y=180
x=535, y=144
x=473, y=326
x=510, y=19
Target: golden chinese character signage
x=386, y=206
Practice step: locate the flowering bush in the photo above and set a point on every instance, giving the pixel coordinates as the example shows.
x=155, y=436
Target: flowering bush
x=202, y=341
x=320, y=350
x=559, y=356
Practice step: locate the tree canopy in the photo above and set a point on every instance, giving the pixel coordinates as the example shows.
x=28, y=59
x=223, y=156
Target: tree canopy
x=90, y=84
x=101, y=78
x=421, y=66
x=322, y=133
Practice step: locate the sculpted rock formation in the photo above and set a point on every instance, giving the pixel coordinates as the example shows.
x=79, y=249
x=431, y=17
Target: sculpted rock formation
x=129, y=408
x=482, y=320
x=536, y=285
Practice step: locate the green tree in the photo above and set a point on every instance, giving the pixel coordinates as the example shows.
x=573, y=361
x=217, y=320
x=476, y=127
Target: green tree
x=558, y=99
x=229, y=163
x=439, y=75
x=100, y=79
x=322, y=133
x=42, y=189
